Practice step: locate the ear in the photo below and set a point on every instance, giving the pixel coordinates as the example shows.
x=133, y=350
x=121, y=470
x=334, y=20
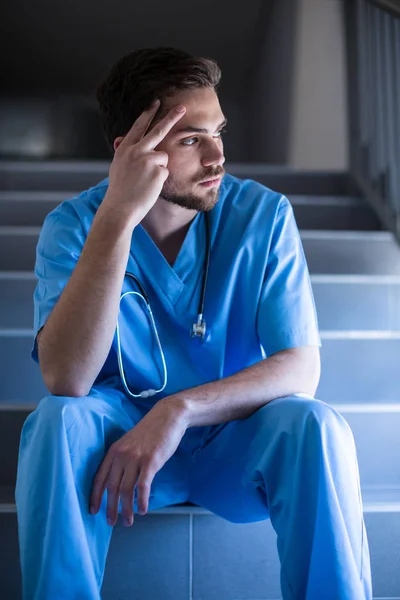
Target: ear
x=117, y=142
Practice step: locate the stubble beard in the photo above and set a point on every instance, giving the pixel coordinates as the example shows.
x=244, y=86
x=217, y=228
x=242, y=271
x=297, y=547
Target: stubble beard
x=201, y=202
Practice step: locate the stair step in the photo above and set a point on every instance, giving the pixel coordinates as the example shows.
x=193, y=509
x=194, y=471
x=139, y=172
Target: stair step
x=184, y=564
x=351, y=302
x=80, y=175
x=312, y=212
x=374, y=499
x=356, y=367
x=346, y=253
x=379, y=427
x=334, y=213
x=327, y=252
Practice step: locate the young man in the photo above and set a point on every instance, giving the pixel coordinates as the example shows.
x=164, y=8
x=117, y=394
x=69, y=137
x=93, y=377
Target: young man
x=234, y=427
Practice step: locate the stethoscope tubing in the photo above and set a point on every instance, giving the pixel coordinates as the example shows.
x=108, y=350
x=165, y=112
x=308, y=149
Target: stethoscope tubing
x=200, y=326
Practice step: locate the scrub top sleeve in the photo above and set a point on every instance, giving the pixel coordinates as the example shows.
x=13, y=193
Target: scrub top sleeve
x=59, y=246
x=286, y=313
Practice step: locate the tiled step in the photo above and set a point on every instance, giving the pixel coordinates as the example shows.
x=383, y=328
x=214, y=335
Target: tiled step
x=345, y=253
x=311, y=212
x=357, y=366
x=355, y=302
x=79, y=175
x=327, y=252
x=29, y=208
x=349, y=302
x=375, y=427
x=333, y=213
x=184, y=566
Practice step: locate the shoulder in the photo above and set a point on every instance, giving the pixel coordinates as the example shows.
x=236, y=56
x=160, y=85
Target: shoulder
x=252, y=200
x=75, y=213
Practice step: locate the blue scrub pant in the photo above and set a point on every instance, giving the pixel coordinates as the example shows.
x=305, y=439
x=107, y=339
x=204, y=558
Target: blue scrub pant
x=293, y=461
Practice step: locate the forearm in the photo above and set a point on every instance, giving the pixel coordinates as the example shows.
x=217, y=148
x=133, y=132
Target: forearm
x=77, y=337
x=241, y=394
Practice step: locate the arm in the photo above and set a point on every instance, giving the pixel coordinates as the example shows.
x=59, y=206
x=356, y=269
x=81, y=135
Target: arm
x=78, y=334
x=238, y=396
x=144, y=449
x=74, y=343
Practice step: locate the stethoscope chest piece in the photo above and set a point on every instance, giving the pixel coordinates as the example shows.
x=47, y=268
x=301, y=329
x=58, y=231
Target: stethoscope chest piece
x=199, y=328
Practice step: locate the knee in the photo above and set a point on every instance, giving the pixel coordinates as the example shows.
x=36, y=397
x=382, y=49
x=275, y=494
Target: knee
x=57, y=409
x=297, y=416
x=312, y=417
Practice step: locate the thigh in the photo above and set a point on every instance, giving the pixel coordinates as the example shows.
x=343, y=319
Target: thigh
x=220, y=480
x=77, y=432
x=227, y=474
x=240, y=459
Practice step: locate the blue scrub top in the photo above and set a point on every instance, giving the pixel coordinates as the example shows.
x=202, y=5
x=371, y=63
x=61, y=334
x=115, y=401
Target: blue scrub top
x=258, y=297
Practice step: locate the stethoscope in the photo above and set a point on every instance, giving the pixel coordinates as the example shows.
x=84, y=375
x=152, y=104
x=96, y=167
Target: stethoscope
x=198, y=329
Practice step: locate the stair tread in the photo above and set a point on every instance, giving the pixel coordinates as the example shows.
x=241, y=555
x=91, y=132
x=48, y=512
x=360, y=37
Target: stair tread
x=309, y=233
x=317, y=278
x=373, y=499
x=46, y=195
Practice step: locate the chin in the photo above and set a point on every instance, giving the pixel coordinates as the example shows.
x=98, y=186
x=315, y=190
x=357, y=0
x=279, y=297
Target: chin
x=194, y=198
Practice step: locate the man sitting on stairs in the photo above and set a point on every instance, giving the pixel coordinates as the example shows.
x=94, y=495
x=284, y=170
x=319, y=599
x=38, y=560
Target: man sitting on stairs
x=178, y=338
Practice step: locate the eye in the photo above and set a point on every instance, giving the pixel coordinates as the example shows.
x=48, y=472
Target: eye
x=192, y=140
x=186, y=142
x=221, y=133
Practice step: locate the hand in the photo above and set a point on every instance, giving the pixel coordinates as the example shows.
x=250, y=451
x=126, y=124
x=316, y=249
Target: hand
x=138, y=455
x=138, y=172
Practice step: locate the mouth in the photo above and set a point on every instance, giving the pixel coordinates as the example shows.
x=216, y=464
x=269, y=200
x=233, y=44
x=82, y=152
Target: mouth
x=210, y=182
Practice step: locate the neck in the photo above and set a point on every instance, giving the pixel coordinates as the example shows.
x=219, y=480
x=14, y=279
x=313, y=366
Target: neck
x=166, y=221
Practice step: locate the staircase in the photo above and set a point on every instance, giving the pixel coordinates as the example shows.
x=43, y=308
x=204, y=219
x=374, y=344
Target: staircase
x=184, y=552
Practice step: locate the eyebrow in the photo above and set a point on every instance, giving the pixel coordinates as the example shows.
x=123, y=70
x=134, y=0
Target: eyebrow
x=199, y=129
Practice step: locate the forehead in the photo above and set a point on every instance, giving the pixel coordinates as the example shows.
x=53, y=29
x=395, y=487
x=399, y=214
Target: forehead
x=203, y=109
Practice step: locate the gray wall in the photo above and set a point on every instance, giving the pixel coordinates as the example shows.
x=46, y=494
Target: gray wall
x=283, y=66
x=319, y=137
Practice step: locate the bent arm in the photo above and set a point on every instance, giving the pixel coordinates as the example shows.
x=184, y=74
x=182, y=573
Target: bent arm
x=295, y=370
x=76, y=339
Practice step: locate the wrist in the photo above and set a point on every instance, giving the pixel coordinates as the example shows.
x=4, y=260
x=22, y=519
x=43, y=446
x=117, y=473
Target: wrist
x=179, y=406
x=117, y=216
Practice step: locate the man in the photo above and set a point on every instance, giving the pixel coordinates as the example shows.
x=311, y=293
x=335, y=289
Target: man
x=235, y=427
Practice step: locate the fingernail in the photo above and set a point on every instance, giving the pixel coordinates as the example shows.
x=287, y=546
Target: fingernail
x=109, y=520
x=92, y=509
x=179, y=108
x=155, y=102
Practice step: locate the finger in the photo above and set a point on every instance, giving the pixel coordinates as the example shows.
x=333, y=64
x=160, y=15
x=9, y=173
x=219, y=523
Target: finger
x=140, y=126
x=143, y=489
x=113, y=488
x=127, y=493
x=158, y=133
x=160, y=158
x=99, y=484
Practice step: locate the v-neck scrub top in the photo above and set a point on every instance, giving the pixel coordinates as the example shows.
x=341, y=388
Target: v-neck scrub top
x=258, y=300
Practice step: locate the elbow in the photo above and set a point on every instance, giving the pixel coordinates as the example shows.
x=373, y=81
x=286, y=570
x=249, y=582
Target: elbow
x=58, y=386
x=305, y=368
x=311, y=371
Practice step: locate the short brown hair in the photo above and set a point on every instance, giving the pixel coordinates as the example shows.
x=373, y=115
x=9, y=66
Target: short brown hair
x=138, y=78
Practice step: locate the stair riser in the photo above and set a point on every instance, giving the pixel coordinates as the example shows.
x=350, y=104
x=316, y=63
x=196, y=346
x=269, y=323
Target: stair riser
x=243, y=551
x=80, y=175
x=32, y=213
x=360, y=256
x=353, y=371
x=341, y=306
x=377, y=430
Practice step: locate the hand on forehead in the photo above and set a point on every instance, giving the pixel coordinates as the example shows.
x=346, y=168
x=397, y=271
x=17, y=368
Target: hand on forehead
x=203, y=110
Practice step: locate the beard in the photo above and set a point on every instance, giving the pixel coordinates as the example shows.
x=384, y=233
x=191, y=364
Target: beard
x=206, y=200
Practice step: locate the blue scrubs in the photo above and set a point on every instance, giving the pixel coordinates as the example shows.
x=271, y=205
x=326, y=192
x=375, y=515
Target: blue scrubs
x=293, y=461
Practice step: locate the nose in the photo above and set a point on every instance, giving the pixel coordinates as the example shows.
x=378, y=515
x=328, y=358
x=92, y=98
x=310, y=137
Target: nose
x=213, y=155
